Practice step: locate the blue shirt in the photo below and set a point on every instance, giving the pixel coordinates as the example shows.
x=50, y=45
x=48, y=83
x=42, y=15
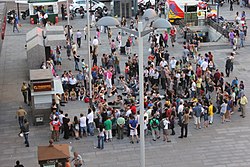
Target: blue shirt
x=133, y=123
x=197, y=111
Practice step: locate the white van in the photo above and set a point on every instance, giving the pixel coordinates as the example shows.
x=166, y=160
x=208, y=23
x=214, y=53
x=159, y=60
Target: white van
x=82, y=3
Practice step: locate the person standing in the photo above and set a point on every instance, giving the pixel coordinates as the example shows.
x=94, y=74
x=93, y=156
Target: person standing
x=25, y=131
x=154, y=124
x=231, y=5
x=228, y=67
x=18, y=164
x=90, y=118
x=120, y=127
x=78, y=38
x=24, y=92
x=78, y=162
x=108, y=129
x=62, y=11
x=173, y=35
x=166, y=124
x=211, y=113
x=243, y=103
x=66, y=121
x=83, y=125
x=56, y=127
x=185, y=124
x=197, y=115
x=133, y=124
x=101, y=137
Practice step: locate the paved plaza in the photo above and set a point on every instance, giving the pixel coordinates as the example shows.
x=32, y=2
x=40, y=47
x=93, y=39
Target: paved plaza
x=221, y=145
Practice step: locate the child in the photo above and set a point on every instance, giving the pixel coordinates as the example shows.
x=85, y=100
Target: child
x=101, y=137
x=205, y=118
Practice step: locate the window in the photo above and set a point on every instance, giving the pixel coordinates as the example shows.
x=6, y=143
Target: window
x=191, y=9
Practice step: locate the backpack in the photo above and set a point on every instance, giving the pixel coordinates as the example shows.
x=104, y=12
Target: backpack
x=154, y=124
x=214, y=109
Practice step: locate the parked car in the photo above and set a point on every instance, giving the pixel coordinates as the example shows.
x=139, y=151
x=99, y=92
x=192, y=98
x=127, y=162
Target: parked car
x=82, y=3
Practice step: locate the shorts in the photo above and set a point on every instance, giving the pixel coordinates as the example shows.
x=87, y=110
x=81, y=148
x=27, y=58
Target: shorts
x=165, y=132
x=221, y=114
x=197, y=120
x=133, y=132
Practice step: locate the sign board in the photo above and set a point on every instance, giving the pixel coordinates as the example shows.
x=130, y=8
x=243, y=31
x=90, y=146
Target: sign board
x=43, y=86
x=41, y=1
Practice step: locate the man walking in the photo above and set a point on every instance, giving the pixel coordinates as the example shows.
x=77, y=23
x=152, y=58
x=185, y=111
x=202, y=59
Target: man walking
x=242, y=38
x=20, y=115
x=78, y=38
x=15, y=24
x=228, y=66
x=25, y=130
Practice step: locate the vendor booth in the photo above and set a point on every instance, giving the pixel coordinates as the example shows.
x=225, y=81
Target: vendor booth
x=50, y=7
x=39, y=43
x=53, y=155
x=43, y=88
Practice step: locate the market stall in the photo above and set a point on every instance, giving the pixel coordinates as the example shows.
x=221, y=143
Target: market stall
x=53, y=155
x=43, y=88
x=40, y=7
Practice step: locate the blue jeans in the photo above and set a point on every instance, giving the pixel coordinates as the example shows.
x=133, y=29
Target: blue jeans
x=76, y=65
x=25, y=134
x=101, y=142
x=20, y=121
x=241, y=42
x=91, y=128
x=83, y=130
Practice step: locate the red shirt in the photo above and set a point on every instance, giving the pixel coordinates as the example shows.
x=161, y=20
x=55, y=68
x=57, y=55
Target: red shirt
x=56, y=125
x=199, y=72
x=133, y=109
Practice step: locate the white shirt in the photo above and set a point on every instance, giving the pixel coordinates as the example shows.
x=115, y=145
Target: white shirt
x=61, y=116
x=193, y=88
x=95, y=42
x=204, y=65
x=78, y=34
x=72, y=81
x=82, y=121
x=166, y=123
x=128, y=113
x=172, y=63
x=90, y=117
x=163, y=63
x=65, y=79
x=180, y=108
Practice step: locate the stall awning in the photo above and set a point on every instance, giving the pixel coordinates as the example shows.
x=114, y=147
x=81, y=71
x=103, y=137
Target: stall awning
x=58, y=86
x=41, y=1
x=21, y=1
x=55, y=40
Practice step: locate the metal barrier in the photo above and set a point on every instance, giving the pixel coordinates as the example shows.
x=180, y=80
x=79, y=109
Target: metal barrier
x=219, y=27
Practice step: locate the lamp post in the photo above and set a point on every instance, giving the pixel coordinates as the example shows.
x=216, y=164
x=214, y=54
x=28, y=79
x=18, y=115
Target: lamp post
x=158, y=23
x=69, y=37
x=89, y=56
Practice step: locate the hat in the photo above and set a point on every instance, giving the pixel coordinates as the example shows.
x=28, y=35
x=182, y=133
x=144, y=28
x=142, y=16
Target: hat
x=150, y=105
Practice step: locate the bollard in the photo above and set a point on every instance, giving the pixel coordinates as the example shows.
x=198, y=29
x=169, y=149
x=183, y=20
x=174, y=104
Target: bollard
x=56, y=19
x=31, y=20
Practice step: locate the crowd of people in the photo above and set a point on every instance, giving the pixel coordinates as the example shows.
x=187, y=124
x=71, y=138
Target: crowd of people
x=176, y=90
